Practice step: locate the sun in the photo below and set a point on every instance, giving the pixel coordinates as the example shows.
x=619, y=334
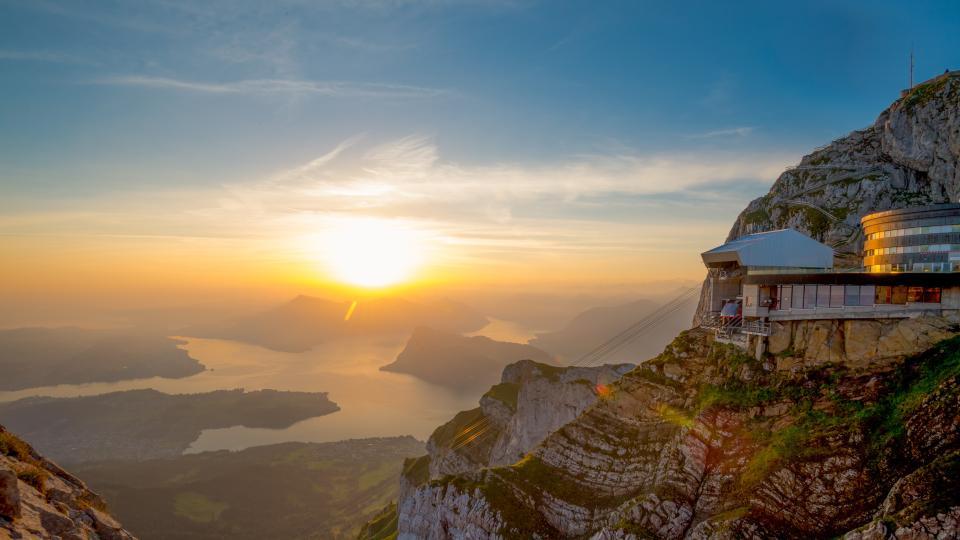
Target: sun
x=372, y=252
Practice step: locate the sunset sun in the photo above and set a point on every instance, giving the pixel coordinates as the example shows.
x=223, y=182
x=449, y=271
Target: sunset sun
x=372, y=252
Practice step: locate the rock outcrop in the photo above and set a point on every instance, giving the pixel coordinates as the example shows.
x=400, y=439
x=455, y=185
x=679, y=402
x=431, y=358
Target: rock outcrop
x=706, y=442
x=531, y=401
x=38, y=499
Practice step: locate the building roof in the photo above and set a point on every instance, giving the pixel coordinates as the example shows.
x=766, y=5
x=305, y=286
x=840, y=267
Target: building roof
x=783, y=248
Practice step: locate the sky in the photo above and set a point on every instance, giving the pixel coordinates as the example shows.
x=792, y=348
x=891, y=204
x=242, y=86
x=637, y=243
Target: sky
x=161, y=150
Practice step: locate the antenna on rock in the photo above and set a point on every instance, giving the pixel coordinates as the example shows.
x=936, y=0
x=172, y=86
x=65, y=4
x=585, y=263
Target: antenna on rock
x=911, y=66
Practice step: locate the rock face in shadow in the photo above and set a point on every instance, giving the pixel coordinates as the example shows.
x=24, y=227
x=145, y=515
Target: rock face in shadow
x=145, y=424
x=31, y=357
x=597, y=325
x=460, y=362
x=306, y=322
x=706, y=442
x=38, y=499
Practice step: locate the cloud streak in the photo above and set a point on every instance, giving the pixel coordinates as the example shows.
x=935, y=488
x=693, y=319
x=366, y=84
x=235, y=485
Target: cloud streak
x=285, y=87
x=741, y=131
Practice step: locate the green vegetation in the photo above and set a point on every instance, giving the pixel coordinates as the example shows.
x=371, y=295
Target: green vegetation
x=382, y=526
x=291, y=490
x=505, y=393
x=417, y=470
x=883, y=422
x=734, y=394
x=197, y=507
x=757, y=216
x=451, y=432
x=922, y=93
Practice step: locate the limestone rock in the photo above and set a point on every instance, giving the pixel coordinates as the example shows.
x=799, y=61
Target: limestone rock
x=9, y=493
x=38, y=499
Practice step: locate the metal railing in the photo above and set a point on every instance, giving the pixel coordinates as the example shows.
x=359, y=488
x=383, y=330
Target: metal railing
x=756, y=328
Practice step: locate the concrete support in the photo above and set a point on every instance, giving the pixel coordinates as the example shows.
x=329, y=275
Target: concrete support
x=761, y=347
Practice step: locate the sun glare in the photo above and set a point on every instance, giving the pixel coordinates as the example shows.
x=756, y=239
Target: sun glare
x=372, y=252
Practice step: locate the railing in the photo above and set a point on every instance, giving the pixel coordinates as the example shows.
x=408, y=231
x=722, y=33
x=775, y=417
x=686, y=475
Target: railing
x=756, y=328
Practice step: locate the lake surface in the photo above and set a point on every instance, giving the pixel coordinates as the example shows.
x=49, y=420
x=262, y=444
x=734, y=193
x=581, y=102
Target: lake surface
x=373, y=403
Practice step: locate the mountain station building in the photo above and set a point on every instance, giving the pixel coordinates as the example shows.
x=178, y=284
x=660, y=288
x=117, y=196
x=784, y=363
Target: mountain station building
x=911, y=267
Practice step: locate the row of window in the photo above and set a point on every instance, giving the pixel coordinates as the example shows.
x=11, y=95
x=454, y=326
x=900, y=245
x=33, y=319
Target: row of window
x=912, y=249
x=812, y=296
x=916, y=267
x=932, y=229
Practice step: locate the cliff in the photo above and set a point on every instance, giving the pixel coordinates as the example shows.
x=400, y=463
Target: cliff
x=38, y=499
x=531, y=401
x=706, y=442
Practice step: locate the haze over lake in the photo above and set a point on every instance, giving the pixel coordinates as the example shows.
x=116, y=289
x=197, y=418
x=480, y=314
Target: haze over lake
x=373, y=403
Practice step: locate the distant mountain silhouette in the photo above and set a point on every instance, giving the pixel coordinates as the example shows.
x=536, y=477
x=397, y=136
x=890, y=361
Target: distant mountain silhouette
x=32, y=357
x=306, y=321
x=595, y=326
x=459, y=362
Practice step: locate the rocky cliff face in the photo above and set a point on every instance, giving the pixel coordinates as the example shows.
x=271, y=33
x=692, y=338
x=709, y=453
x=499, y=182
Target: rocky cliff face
x=909, y=157
x=531, y=401
x=706, y=442
x=38, y=499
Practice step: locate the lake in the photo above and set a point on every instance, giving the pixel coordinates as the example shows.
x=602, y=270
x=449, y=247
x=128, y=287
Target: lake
x=373, y=403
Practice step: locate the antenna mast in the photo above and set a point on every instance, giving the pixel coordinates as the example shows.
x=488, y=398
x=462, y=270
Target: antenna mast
x=911, y=66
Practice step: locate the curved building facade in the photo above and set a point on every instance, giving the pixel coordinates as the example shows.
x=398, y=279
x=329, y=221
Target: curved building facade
x=921, y=239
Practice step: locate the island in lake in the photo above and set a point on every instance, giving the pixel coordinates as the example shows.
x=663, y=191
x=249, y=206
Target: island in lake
x=146, y=424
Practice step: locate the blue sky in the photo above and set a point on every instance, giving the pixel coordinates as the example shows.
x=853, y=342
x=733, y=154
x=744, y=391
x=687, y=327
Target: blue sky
x=581, y=121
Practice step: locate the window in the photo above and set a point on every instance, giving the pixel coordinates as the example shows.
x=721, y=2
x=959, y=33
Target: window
x=786, y=297
x=899, y=294
x=823, y=296
x=884, y=294
x=914, y=294
x=931, y=295
x=798, y=297
x=866, y=295
x=809, y=296
x=836, y=296
x=851, y=296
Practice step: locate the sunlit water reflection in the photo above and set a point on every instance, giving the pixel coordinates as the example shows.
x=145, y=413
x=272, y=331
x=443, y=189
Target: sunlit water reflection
x=373, y=403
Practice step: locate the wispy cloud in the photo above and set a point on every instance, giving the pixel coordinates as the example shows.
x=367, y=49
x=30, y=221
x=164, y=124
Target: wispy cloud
x=279, y=87
x=42, y=56
x=408, y=178
x=741, y=131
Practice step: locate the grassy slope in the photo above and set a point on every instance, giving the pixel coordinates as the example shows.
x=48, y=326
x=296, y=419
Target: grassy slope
x=291, y=490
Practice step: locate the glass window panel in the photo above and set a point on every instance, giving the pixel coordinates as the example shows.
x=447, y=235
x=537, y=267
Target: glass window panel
x=931, y=295
x=851, y=295
x=798, y=296
x=883, y=295
x=836, y=296
x=866, y=295
x=809, y=296
x=823, y=296
x=899, y=294
x=786, y=297
x=914, y=294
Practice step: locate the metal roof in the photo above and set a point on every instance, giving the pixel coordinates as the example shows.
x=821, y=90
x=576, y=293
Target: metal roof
x=782, y=248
